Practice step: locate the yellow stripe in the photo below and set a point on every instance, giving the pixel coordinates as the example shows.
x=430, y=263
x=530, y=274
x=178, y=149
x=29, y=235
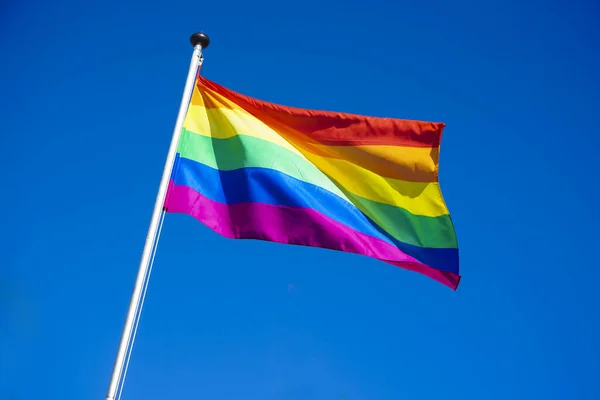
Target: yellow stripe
x=225, y=122
x=415, y=197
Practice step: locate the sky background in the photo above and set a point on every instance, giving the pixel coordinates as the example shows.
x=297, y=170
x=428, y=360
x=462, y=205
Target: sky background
x=89, y=93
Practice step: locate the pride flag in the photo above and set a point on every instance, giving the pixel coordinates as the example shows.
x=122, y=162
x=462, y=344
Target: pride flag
x=249, y=169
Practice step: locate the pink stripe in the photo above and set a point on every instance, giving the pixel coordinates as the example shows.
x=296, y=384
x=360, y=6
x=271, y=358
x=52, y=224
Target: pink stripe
x=292, y=225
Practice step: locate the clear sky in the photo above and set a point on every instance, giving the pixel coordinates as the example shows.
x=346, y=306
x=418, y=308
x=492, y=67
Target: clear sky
x=89, y=93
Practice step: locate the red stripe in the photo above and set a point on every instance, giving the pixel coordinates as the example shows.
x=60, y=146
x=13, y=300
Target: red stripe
x=336, y=128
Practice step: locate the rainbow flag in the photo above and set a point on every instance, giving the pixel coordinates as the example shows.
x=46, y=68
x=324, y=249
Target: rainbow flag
x=249, y=169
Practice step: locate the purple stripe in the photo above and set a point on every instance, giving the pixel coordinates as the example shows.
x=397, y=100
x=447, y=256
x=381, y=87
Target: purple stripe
x=291, y=225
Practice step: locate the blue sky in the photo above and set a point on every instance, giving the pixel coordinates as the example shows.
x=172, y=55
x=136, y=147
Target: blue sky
x=89, y=97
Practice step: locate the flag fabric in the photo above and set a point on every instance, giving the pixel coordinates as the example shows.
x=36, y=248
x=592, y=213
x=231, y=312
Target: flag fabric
x=250, y=169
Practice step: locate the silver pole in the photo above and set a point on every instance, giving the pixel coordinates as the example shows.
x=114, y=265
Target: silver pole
x=198, y=40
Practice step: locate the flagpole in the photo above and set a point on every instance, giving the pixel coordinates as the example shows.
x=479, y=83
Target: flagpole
x=200, y=41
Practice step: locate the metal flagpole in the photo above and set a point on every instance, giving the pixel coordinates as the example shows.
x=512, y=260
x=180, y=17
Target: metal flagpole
x=199, y=41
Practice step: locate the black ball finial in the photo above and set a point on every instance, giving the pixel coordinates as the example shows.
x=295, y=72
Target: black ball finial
x=200, y=38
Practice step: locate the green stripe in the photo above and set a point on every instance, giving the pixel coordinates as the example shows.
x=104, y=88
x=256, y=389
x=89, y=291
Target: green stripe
x=243, y=151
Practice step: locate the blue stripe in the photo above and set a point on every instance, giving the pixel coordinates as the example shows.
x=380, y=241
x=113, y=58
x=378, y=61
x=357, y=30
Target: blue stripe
x=262, y=185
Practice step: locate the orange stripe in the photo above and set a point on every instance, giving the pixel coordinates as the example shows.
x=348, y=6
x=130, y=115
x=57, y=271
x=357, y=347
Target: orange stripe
x=405, y=163
x=411, y=164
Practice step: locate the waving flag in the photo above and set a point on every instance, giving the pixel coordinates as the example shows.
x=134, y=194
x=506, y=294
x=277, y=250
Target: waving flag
x=249, y=169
